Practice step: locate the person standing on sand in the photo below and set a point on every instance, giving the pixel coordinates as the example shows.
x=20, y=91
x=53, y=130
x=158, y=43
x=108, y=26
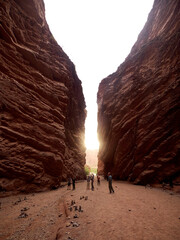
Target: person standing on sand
x=98, y=179
x=73, y=182
x=69, y=183
x=110, y=183
x=88, y=182
x=92, y=182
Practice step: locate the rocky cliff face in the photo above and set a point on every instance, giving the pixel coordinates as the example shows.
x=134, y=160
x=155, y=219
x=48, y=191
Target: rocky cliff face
x=91, y=157
x=42, y=108
x=138, y=116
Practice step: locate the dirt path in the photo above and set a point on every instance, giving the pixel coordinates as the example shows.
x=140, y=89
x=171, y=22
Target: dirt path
x=132, y=213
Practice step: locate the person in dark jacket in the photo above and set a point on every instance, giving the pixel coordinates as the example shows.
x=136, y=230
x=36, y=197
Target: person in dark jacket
x=110, y=183
x=69, y=183
x=73, y=182
x=92, y=182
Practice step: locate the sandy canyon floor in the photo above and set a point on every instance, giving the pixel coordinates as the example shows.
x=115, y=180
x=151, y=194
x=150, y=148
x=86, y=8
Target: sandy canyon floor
x=131, y=213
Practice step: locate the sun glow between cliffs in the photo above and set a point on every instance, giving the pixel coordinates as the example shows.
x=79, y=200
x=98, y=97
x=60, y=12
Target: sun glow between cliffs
x=91, y=140
x=97, y=36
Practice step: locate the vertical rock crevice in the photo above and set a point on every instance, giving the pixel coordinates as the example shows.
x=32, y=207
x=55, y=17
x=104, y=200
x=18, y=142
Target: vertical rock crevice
x=138, y=105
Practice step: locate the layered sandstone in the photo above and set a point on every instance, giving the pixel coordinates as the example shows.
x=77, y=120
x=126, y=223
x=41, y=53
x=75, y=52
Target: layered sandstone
x=138, y=116
x=41, y=102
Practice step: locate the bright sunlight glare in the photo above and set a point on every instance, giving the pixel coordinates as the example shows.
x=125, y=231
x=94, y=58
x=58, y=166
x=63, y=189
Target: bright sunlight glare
x=97, y=35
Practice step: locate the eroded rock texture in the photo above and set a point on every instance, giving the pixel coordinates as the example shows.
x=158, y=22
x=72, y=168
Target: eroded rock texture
x=138, y=116
x=41, y=102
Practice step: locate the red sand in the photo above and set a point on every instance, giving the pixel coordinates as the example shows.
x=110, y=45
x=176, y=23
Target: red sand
x=132, y=213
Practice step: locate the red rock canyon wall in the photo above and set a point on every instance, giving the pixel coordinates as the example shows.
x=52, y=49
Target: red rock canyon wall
x=138, y=116
x=42, y=108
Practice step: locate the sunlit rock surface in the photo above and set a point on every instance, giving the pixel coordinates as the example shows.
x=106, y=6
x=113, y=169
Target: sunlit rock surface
x=42, y=106
x=91, y=157
x=138, y=116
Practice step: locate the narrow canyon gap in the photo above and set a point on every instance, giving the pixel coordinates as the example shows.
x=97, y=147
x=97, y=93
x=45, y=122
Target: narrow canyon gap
x=42, y=106
x=138, y=105
x=43, y=109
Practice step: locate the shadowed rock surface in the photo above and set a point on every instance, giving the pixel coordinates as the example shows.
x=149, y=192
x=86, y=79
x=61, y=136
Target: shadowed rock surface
x=42, y=107
x=138, y=105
